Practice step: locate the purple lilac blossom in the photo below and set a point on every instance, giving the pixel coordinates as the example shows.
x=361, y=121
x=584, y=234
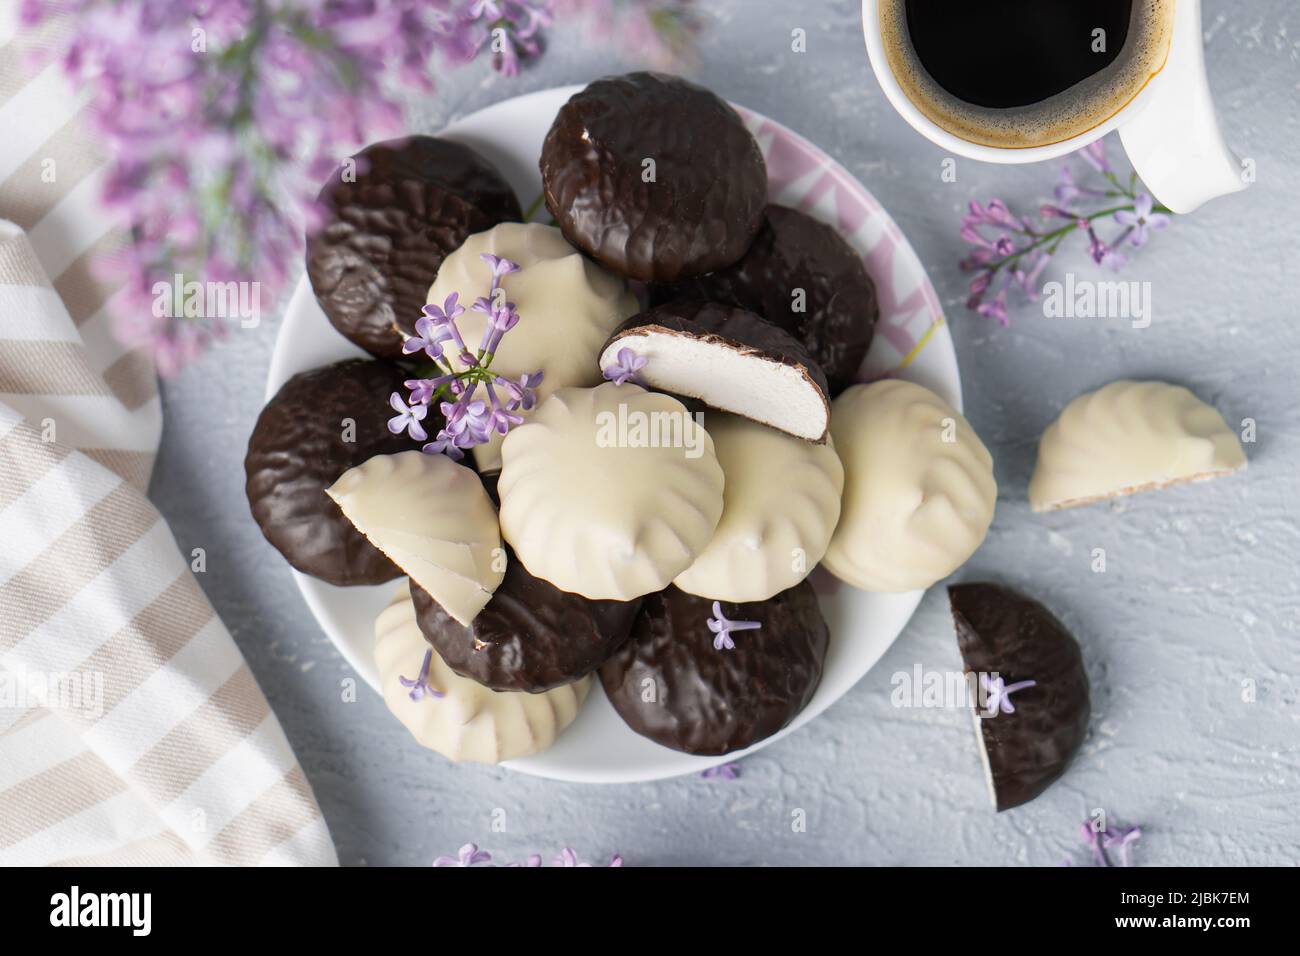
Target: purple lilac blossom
x=723, y=771
x=1009, y=252
x=470, y=420
x=221, y=118
x=722, y=628
x=468, y=855
x=419, y=686
x=998, y=693
x=624, y=369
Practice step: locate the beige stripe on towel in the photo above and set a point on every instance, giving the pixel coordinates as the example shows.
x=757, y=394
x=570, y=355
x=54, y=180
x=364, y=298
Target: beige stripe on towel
x=168, y=720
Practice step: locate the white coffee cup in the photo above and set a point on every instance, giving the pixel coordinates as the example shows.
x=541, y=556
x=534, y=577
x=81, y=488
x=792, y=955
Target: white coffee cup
x=1169, y=130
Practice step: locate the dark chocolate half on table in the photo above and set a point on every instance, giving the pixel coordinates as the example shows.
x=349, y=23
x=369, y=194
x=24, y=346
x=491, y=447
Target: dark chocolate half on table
x=802, y=275
x=730, y=359
x=530, y=637
x=1015, y=637
x=319, y=424
x=654, y=177
x=388, y=224
x=672, y=684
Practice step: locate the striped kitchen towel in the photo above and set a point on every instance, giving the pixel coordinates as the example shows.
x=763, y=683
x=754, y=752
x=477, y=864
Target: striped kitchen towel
x=131, y=730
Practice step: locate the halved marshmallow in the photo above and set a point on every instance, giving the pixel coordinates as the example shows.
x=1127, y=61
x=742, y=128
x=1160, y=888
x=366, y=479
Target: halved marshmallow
x=730, y=359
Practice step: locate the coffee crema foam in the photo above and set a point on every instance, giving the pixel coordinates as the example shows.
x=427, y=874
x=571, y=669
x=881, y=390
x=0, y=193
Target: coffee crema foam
x=1072, y=112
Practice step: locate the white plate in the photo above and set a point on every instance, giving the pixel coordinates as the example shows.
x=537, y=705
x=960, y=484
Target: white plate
x=911, y=341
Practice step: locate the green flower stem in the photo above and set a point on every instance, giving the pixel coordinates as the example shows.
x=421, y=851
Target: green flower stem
x=1055, y=236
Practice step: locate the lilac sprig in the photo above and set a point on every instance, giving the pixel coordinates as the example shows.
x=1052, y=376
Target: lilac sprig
x=722, y=628
x=221, y=118
x=1010, y=252
x=471, y=418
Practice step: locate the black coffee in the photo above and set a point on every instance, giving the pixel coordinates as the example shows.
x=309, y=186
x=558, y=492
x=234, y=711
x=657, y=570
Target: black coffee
x=1024, y=72
x=1006, y=53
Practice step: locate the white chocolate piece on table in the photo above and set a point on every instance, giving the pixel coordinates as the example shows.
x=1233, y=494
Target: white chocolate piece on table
x=780, y=504
x=434, y=520
x=609, y=492
x=919, y=491
x=469, y=722
x=1127, y=437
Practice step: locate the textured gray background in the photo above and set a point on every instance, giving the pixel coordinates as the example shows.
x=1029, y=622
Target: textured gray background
x=1200, y=592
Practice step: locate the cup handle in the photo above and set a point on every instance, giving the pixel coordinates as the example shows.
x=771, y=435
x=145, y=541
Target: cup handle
x=1174, y=143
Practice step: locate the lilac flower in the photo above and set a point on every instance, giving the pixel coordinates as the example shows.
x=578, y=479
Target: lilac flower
x=408, y=418
x=1121, y=839
x=469, y=420
x=568, y=857
x=998, y=693
x=534, y=859
x=500, y=418
x=661, y=31
x=1009, y=252
x=723, y=771
x=420, y=686
x=1140, y=219
x=500, y=266
x=429, y=336
x=1094, y=154
x=217, y=151
x=1027, y=279
x=447, y=314
x=510, y=28
x=468, y=855
x=423, y=389
x=996, y=308
x=722, y=627
x=1096, y=248
x=625, y=368
x=221, y=119
x=523, y=393
x=978, y=286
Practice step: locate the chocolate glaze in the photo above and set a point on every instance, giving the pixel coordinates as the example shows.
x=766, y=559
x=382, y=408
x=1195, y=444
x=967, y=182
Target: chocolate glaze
x=297, y=450
x=414, y=201
x=727, y=327
x=703, y=208
x=710, y=701
x=795, y=251
x=531, y=636
x=1002, y=632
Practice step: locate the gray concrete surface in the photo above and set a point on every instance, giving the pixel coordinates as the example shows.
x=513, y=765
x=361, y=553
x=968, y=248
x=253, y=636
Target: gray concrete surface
x=1200, y=592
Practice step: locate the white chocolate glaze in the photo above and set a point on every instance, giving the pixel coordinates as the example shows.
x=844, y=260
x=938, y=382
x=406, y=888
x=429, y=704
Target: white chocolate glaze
x=609, y=492
x=918, y=487
x=1127, y=437
x=469, y=722
x=780, y=504
x=568, y=306
x=434, y=520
